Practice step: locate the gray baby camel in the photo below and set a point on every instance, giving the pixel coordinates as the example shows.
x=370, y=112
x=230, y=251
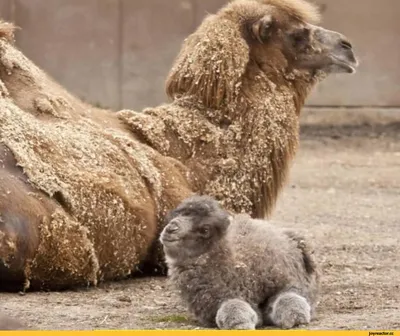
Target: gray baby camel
x=235, y=272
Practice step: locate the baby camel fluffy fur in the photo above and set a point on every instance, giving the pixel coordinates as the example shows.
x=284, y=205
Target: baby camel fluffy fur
x=238, y=272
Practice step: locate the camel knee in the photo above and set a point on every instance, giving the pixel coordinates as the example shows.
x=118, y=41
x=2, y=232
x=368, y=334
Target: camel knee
x=17, y=245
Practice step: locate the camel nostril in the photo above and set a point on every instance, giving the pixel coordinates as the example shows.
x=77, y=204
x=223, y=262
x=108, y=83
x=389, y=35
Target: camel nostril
x=171, y=228
x=346, y=45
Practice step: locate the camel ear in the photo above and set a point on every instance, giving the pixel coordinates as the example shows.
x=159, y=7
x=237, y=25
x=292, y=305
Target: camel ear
x=210, y=64
x=263, y=28
x=227, y=221
x=7, y=31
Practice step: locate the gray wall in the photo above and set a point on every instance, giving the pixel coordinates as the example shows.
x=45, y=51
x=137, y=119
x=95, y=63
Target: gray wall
x=116, y=53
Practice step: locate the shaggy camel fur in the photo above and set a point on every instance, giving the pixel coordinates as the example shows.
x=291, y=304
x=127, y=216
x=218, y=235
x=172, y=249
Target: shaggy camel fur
x=83, y=191
x=238, y=272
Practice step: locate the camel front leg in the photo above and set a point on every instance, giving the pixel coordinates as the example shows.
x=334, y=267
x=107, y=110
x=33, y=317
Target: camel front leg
x=288, y=310
x=237, y=314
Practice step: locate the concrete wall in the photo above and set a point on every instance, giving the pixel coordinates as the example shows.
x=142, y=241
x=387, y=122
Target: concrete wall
x=117, y=53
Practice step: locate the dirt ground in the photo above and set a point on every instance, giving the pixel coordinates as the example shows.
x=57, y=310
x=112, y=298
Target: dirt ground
x=344, y=192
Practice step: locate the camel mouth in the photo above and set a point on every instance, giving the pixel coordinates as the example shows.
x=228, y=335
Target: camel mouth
x=165, y=240
x=347, y=65
x=169, y=240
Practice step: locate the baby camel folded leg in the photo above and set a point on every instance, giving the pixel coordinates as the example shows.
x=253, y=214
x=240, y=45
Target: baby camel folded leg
x=288, y=310
x=237, y=314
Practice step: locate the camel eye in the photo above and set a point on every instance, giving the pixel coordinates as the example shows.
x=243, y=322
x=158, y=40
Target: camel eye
x=205, y=231
x=297, y=38
x=301, y=36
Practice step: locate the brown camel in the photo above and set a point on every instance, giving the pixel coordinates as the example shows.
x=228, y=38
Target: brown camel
x=84, y=191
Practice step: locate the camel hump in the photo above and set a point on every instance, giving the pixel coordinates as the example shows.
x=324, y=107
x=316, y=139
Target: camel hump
x=306, y=250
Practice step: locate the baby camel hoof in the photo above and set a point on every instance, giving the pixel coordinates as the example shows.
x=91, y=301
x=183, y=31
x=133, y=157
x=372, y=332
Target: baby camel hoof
x=236, y=314
x=290, y=310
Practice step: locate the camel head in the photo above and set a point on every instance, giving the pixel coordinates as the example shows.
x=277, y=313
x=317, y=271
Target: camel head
x=283, y=35
x=280, y=38
x=248, y=70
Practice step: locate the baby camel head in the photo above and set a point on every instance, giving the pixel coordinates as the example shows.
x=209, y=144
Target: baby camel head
x=193, y=228
x=277, y=38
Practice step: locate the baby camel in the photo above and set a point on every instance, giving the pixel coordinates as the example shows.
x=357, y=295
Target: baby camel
x=238, y=272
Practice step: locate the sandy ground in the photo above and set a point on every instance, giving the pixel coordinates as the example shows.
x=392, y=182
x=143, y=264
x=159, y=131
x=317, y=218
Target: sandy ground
x=344, y=192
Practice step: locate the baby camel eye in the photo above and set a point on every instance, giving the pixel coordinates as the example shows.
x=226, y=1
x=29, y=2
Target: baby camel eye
x=204, y=231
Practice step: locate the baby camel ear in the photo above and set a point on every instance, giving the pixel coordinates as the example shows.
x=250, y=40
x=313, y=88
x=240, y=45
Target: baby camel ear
x=262, y=28
x=230, y=219
x=227, y=220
